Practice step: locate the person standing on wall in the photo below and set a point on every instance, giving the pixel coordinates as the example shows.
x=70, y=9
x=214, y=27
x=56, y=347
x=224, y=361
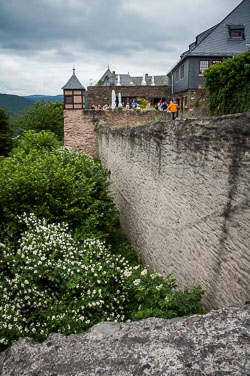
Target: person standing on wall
x=173, y=108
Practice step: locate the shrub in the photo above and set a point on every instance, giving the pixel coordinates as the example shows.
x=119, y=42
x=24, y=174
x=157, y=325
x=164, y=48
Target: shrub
x=229, y=85
x=150, y=295
x=5, y=133
x=52, y=285
x=41, y=141
x=42, y=116
x=142, y=102
x=49, y=283
x=57, y=184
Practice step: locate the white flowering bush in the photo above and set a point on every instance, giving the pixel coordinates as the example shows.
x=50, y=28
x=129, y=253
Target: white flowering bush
x=49, y=284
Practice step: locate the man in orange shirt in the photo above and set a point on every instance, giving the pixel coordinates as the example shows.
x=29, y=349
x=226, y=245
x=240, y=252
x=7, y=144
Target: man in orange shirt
x=173, y=108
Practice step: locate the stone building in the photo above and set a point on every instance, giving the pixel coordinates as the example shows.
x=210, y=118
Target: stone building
x=226, y=39
x=152, y=88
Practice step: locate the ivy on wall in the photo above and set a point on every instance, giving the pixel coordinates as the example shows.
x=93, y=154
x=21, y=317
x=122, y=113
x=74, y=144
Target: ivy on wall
x=229, y=85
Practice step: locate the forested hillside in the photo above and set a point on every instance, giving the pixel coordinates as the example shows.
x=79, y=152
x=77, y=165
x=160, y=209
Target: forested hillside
x=14, y=104
x=47, y=98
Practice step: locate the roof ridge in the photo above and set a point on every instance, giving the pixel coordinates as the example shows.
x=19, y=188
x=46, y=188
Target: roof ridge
x=217, y=25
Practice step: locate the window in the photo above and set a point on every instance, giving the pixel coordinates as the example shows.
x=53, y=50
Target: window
x=177, y=75
x=204, y=64
x=236, y=32
x=182, y=71
x=69, y=99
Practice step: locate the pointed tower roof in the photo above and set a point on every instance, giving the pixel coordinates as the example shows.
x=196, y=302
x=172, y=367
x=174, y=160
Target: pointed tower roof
x=73, y=83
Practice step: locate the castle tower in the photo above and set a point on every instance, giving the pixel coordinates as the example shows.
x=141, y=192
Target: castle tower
x=74, y=94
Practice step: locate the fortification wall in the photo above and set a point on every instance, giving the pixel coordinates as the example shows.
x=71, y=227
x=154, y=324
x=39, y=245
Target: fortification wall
x=182, y=188
x=80, y=125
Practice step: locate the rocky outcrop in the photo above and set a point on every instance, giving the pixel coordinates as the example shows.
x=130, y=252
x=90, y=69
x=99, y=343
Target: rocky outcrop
x=217, y=343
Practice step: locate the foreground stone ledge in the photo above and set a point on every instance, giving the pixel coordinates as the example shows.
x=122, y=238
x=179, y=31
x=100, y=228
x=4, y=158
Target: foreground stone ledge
x=213, y=344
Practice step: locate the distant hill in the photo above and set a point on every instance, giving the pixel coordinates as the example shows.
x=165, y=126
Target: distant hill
x=47, y=98
x=14, y=104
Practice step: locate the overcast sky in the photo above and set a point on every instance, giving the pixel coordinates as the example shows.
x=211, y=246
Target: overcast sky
x=41, y=40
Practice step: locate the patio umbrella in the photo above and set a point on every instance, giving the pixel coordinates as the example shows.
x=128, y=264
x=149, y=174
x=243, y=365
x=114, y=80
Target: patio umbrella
x=113, y=98
x=120, y=100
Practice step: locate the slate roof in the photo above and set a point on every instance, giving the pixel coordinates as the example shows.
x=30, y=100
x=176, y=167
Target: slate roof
x=73, y=83
x=107, y=78
x=127, y=80
x=216, y=42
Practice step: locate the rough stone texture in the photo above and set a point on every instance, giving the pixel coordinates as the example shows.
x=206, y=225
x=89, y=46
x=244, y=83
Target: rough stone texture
x=182, y=188
x=213, y=344
x=79, y=132
x=80, y=125
x=102, y=94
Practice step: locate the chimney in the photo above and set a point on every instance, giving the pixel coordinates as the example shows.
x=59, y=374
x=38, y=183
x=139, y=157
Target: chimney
x=113, y=75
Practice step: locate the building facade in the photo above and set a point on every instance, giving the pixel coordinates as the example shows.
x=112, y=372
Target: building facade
x=152, y=88
x=226, y=39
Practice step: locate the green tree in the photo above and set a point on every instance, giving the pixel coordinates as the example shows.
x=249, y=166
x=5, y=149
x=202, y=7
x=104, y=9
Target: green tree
x=42, y=116
x=57, y=184
x=229, y=85
x=42, y=141
x=5, y=134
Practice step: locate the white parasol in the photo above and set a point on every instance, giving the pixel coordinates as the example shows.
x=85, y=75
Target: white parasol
x=113, y=98
x=120, y=100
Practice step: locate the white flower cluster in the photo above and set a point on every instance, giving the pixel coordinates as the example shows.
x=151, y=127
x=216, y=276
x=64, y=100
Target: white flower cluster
x=49, y=284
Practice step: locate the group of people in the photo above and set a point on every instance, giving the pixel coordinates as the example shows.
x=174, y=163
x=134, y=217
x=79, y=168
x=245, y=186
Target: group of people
x=107, y=107
x=160, y=106
x=171, y=107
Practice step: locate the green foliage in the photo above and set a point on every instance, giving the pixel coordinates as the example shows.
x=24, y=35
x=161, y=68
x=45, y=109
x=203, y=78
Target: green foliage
x=159, y=117
x=42, y=116
x=100, y=83
x=5, y=133
x=52, y=284
x=151, y=295
x=142, y=102
x=57, y=184
x=229, y=85
x=32, y=140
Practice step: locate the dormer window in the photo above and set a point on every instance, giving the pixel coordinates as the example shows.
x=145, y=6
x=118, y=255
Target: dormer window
x=236, y=32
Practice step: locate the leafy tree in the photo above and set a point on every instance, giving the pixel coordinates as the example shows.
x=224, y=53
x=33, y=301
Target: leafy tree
x=5, y=136
x=42, y=141
x=57, y=184
x=42, y=116
x=229, y=85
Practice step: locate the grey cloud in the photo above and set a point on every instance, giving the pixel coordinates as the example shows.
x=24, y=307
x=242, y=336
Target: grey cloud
x=34, y=25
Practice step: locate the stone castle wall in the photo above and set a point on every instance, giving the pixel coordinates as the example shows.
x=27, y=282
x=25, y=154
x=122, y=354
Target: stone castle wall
x=80, y=125
x=183, y=192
